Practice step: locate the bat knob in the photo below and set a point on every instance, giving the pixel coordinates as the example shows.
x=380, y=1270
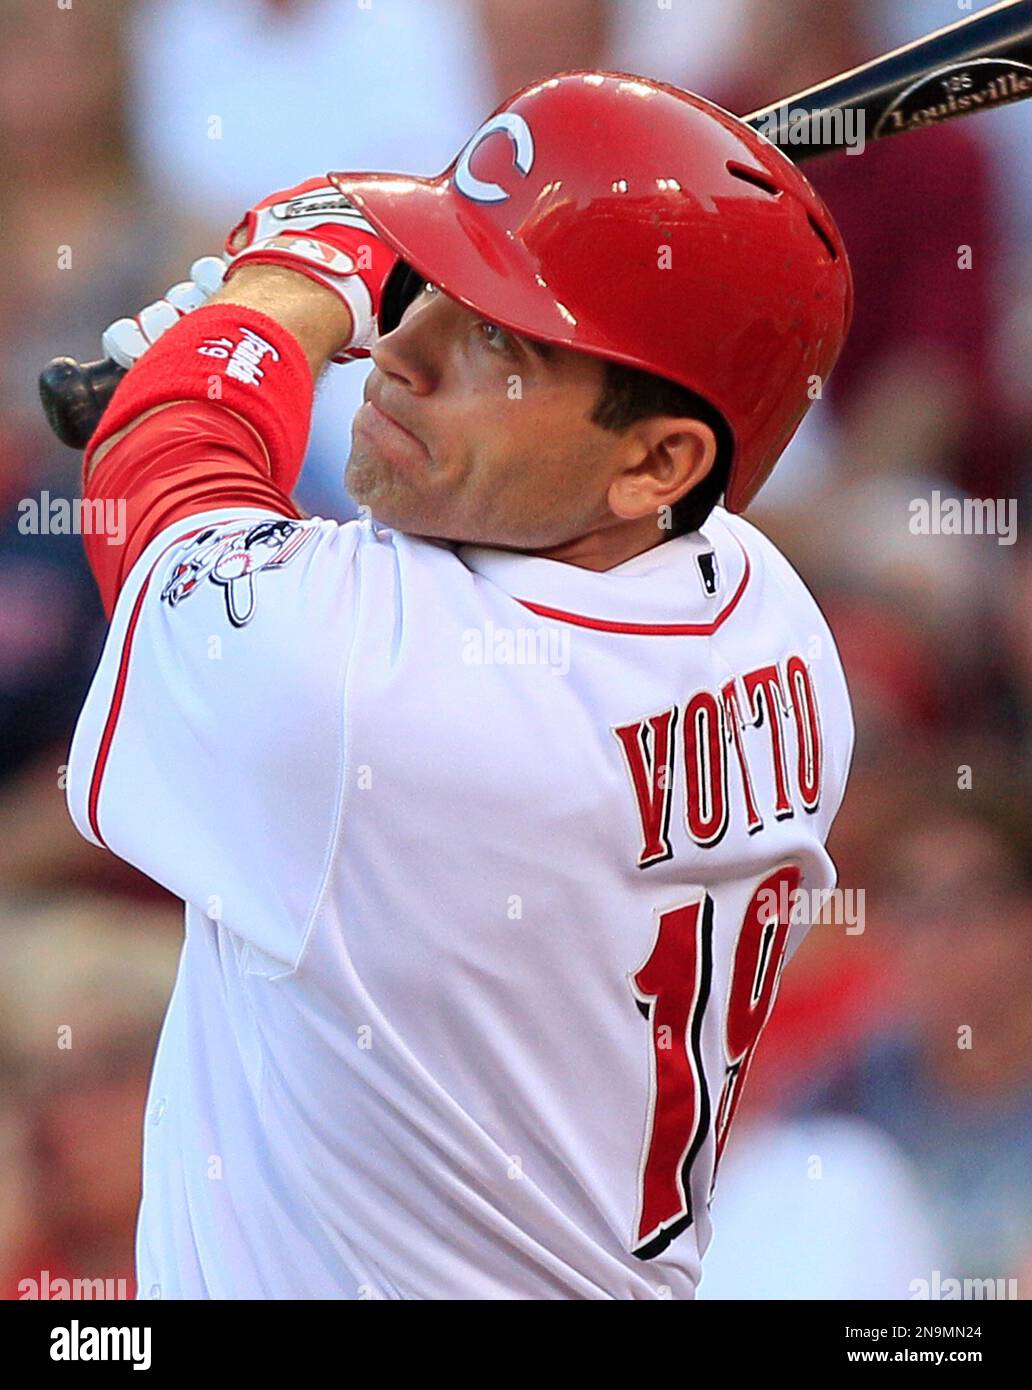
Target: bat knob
x=75, y=395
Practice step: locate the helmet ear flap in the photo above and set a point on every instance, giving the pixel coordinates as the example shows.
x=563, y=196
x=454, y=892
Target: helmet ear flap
x=403, y=284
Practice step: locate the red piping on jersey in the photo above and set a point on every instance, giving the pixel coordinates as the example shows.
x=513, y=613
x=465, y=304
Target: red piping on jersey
x=650, y=629
x=107, y=737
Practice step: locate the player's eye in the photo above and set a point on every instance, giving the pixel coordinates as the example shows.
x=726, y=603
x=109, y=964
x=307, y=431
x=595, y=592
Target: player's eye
x=496, y=338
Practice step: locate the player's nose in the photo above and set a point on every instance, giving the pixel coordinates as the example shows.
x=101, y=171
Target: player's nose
x=410, y=353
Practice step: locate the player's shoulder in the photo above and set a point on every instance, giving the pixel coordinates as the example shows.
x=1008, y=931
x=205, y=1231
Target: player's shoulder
x=280, y=579
x=769, y=566
x=229, y=557
x=787, y=604
x=782, y=600
x=756, y=543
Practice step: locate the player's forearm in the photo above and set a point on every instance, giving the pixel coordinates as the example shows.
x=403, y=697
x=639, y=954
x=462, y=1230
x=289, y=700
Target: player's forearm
x=318, y=319
x=314, y=315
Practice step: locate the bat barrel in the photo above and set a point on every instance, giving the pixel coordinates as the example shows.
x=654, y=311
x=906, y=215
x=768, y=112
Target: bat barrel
x=981, y=62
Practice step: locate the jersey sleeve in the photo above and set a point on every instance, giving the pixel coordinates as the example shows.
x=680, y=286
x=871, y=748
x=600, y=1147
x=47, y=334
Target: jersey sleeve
x=187, y=459
x=209, y=752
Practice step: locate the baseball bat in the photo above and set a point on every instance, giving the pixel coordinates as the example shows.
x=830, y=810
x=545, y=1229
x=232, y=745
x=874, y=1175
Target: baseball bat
x=978, y=63
x=974, y=65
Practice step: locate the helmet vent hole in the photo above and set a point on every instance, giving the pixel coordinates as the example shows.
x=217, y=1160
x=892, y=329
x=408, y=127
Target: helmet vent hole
x=832, y=252
x=747, y=175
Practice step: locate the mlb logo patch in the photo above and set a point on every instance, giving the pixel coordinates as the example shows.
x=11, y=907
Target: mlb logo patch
x=708, y=572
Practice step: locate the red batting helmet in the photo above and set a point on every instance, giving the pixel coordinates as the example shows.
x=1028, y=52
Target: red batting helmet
x=624, y=218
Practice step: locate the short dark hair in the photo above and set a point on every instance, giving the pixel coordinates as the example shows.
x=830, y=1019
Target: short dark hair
x=630, y=394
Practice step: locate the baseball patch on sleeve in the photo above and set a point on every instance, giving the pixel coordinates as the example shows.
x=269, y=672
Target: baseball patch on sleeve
x=231, y=556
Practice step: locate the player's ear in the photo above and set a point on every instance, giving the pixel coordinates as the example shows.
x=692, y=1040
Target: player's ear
x=667, y=456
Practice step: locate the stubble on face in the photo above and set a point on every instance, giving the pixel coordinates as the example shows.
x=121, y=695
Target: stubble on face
x=510, y=501
x=372, y=484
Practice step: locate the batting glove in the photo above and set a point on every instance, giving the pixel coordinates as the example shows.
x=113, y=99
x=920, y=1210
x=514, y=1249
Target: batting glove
x=316, y=231
x=128, y=339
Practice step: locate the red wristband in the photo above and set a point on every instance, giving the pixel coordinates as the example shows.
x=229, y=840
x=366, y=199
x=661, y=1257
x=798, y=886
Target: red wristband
x=226, y=354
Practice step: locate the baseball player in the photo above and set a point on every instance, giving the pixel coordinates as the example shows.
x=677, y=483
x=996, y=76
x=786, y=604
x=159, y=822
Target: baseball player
x=497, y=812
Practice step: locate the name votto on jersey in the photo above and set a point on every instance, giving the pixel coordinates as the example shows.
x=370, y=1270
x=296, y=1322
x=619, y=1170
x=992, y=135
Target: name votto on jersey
x=701, y=747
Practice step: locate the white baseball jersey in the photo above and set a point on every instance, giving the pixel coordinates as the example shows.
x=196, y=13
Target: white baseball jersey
x=491, y=866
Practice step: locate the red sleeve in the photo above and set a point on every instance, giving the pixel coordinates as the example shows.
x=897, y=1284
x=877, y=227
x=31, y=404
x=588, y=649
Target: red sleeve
x=190, y=458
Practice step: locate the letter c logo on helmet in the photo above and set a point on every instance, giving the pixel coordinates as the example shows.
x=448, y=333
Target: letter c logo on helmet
x=509, y=123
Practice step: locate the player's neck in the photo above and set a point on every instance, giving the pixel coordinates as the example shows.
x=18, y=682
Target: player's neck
x=607, y=547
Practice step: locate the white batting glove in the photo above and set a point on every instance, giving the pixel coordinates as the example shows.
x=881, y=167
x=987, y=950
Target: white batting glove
x=128, y=339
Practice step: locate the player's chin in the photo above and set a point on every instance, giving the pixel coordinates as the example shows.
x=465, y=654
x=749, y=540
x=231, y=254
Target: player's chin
x=394, y=497
x=369, y=478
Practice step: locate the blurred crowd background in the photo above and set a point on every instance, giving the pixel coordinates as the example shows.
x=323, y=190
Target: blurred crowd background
x=886, y=1132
